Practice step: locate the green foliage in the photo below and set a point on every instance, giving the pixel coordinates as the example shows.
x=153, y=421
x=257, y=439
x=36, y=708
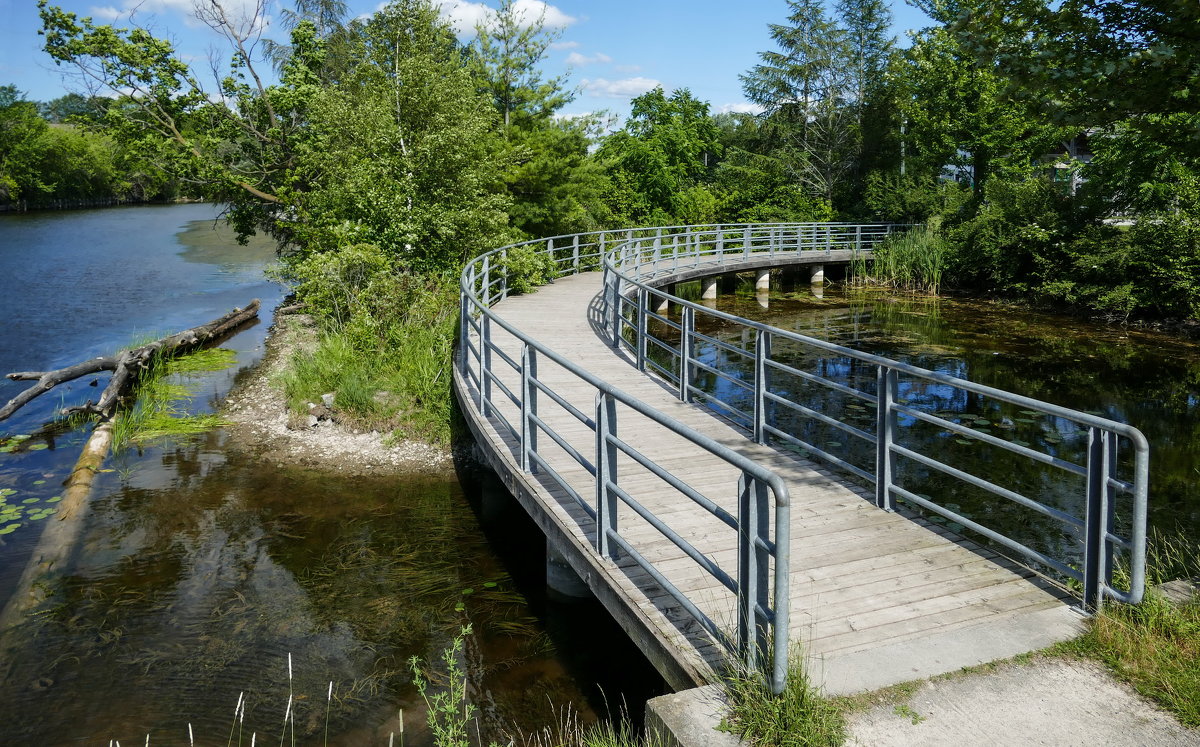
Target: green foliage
x=448, y=712
x=914, y=260
x=524, y=268
x=899, y=198
x=1155, y=645
x=385, y=343
x=161, y=398
x=659, y=157
x=799, y=715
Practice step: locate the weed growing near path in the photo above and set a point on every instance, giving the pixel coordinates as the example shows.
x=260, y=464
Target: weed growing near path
x=1155, y=645
x=800, y=715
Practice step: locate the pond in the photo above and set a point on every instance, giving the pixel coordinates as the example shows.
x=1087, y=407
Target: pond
x=205, y=577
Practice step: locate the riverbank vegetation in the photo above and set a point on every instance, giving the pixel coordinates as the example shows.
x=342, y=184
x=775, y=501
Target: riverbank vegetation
x=1155, y=645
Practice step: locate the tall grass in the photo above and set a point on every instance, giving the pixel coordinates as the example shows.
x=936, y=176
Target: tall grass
x=914, y=260
x=800, y=715
x=1155, y=645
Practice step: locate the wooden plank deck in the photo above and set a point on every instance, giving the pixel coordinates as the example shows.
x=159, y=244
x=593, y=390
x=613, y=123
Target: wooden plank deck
x=876, y=598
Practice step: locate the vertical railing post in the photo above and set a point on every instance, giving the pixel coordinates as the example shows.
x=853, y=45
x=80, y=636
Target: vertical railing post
x=754, y=565
x=504, y=274
x=614, y=304
x=528, y=408
x=1098, y=555
x=857, y=239
x=888, y=382
x=486, y=293
x=606, y=474
x=463, y=349
x=575, y=254
x=746, y=243
x=688, y=324
x=657, y=249
x=643, y=300
x=762, y=353
x=485, y=365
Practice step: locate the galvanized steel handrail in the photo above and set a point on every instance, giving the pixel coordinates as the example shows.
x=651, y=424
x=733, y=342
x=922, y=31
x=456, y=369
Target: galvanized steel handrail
x=762, y=614
x=632, y=270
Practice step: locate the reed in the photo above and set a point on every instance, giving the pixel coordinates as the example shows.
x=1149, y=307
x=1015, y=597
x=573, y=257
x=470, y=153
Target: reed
x=913, y=260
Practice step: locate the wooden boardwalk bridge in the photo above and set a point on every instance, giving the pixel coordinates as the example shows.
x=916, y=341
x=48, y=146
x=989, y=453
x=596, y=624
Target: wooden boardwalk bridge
x=705, y=540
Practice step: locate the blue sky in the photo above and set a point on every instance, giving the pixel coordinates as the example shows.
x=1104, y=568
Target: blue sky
x=612, y=49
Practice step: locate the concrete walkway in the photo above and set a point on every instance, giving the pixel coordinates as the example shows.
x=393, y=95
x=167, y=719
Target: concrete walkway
x=1047, y=702
x=1058, y=702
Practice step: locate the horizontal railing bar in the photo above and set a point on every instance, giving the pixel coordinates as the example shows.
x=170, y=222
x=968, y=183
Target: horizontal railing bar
x=495, y=413
x=579, y=415
x=704, y=620
x=663, y=345
x=504, y=388
x=823, y=381
x=722, y=344
x=666, y=372
x=1037, y=456
x=991, y=487
x=564, y=444
x=820, y=453
x=655, y=468
x=709, y=397
x=1011, y=544
x=516, y=366
x=845, y=427
x=718, y=372
x=705, y=563
x=553, y=473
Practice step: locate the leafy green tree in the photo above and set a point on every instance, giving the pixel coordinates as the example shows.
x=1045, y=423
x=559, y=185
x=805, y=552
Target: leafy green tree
x=21, y=130
x=661, y=158
x=508, y=50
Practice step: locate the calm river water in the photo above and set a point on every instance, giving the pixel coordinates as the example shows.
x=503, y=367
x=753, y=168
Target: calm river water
x=201, y=569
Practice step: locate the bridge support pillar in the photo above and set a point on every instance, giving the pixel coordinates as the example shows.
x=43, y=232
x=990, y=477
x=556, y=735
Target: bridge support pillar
x=709, y=287
x=563, y=584
x=661, y=304
x=818, y=274
x=762, y=280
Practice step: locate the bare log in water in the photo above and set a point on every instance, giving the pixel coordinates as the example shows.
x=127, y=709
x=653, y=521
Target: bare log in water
x=126, y=366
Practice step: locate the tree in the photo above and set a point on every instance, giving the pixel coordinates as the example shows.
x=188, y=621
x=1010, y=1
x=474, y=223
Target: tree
x=508, y=50
x=804, y=89
x=21, y=130
x=660, y=159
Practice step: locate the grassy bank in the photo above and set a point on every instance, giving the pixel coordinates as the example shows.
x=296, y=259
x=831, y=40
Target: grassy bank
x=384, y=347
x=1154, y=646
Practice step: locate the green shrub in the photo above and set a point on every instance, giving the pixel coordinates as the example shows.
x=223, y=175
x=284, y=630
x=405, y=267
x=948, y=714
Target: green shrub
x=525, y=268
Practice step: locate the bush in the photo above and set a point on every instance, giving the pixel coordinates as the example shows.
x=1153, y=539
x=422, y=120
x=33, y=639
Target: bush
x=525, y=268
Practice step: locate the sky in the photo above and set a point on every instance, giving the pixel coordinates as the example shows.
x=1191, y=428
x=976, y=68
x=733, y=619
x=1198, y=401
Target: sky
x=611, y=50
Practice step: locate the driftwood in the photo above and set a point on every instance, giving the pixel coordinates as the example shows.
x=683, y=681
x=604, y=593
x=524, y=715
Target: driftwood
x=52, y=555
x=126, y=366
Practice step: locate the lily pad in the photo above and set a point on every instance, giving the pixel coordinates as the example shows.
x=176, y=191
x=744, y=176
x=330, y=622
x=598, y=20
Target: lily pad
x=7, y=449
x=981, y=421
x=21, y=437
x=38, y=447
x=55, y=499
x=490, y=584
x=1031, y=412
x=39, y=482
x=9, y=529
x=962, y=441
x=6, y=492
x=833, y=444
x=31, y=500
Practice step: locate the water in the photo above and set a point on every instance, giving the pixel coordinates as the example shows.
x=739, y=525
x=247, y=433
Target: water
x=1149, y=380
x=201, y=569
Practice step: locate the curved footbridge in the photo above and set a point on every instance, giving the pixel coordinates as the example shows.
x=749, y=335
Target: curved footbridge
x=662, y=461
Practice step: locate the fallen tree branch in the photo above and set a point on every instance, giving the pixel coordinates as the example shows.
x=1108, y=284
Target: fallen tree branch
x=126, y=366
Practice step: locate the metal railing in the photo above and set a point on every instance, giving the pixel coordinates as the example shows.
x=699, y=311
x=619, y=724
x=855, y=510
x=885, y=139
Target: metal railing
x=760, y=580
x=753, y=378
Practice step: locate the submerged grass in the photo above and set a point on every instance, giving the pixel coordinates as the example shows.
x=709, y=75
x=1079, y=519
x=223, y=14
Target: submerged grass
x=1155, y=645
x=161, y=397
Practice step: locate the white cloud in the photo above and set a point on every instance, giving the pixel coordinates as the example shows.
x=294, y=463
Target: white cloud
x=565, y=45
x=741, y=107
x=464, y=15
x=106, y=13
x=578, y=59
x=619, y=89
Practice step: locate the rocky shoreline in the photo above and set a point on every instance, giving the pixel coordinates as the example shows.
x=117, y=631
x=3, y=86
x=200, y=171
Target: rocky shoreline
x=261, y=422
